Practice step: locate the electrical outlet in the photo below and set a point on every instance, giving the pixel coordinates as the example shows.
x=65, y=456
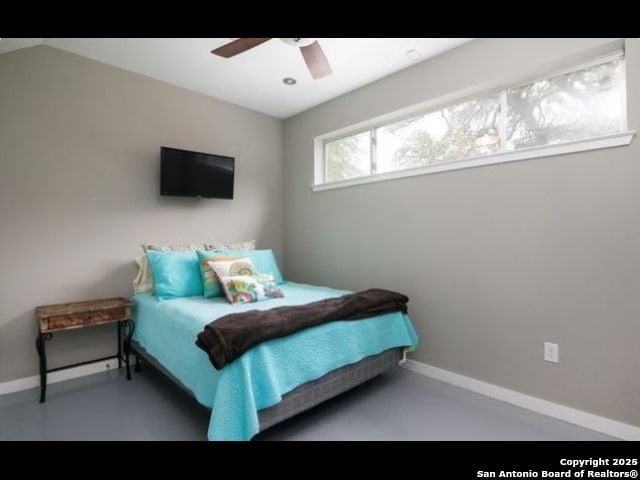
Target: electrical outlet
x=551, y=352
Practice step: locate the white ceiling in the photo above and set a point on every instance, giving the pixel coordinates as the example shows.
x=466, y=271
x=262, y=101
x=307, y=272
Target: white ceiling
x=253, y=79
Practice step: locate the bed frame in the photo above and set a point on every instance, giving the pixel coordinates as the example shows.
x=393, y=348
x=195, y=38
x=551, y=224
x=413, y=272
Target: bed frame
x=307, y=395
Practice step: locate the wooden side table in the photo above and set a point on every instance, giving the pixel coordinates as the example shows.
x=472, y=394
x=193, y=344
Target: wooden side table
x=69, y=316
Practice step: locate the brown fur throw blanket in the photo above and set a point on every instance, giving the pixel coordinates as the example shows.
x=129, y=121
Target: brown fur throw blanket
x=228, y=337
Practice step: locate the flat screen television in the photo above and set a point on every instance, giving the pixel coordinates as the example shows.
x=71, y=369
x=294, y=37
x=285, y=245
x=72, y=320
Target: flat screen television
x=184, y=173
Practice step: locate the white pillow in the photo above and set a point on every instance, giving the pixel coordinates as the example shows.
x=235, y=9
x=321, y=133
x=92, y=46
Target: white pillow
x=144, y=279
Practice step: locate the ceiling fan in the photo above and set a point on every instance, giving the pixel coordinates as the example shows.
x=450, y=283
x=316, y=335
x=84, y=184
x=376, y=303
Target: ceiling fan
x=312, y=53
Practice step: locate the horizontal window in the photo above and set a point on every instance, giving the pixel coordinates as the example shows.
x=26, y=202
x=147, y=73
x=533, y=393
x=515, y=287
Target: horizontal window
x=584, y=104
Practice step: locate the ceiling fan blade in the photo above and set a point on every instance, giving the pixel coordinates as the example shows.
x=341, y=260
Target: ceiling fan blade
x=238, y=46
x=316, y=60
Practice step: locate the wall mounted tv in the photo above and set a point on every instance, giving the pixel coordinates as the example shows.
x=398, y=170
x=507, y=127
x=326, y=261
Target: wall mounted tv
x=184, y=173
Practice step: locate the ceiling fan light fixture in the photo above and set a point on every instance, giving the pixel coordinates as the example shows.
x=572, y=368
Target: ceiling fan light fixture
x=298, y=42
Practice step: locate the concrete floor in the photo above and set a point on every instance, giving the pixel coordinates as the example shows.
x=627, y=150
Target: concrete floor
x=398, y=405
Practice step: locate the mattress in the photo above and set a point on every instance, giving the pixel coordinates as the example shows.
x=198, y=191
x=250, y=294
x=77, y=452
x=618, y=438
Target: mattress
x=257, y=380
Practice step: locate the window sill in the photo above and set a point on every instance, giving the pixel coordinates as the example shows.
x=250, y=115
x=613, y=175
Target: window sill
x=595, y=143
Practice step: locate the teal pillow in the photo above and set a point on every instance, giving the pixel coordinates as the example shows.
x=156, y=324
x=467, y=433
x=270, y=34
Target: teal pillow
x=264, y=261
x=210, y=284
x=175, y=274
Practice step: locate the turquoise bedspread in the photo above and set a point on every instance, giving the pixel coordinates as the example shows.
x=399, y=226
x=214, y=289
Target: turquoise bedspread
x=259, y=378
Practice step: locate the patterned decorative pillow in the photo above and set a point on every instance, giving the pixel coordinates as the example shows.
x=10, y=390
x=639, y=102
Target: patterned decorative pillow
x=144, y=278
x=185, y=247
x=250, y=245
x=264, y=260
x=210, y=282
x=241, y=289
x=225, y=267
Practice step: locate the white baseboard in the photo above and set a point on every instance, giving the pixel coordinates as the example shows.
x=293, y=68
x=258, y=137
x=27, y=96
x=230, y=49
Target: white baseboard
x=59, y=376
x=555, y=410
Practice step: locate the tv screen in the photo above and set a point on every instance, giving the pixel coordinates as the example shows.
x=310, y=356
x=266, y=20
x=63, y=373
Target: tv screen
x=195, y=174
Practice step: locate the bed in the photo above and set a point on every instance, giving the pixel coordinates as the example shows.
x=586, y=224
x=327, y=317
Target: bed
x=277, y=378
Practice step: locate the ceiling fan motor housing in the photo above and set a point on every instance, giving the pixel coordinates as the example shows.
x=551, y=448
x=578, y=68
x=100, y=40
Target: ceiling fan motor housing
x=298, y=42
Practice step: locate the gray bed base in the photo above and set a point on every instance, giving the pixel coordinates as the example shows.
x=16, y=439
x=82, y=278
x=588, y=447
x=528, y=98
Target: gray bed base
x=307, y=395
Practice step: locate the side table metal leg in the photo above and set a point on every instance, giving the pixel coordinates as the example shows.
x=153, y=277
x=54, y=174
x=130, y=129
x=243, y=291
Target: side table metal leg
x=119, y=327
x=130, y=327
x=40, y=346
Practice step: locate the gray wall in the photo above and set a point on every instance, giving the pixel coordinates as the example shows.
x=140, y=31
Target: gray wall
x=79, y=188
x=495, y=259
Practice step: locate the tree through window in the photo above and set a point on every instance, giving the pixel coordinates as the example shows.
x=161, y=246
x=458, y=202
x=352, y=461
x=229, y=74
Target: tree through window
x=581, y=104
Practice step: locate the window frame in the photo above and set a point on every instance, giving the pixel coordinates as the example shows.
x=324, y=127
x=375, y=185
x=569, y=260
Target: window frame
x=621, y=138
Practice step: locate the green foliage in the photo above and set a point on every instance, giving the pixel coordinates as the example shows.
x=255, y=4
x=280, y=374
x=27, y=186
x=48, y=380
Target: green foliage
x=339, y=156
x=577, y=105
x=563, y=108
x=466, y=126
